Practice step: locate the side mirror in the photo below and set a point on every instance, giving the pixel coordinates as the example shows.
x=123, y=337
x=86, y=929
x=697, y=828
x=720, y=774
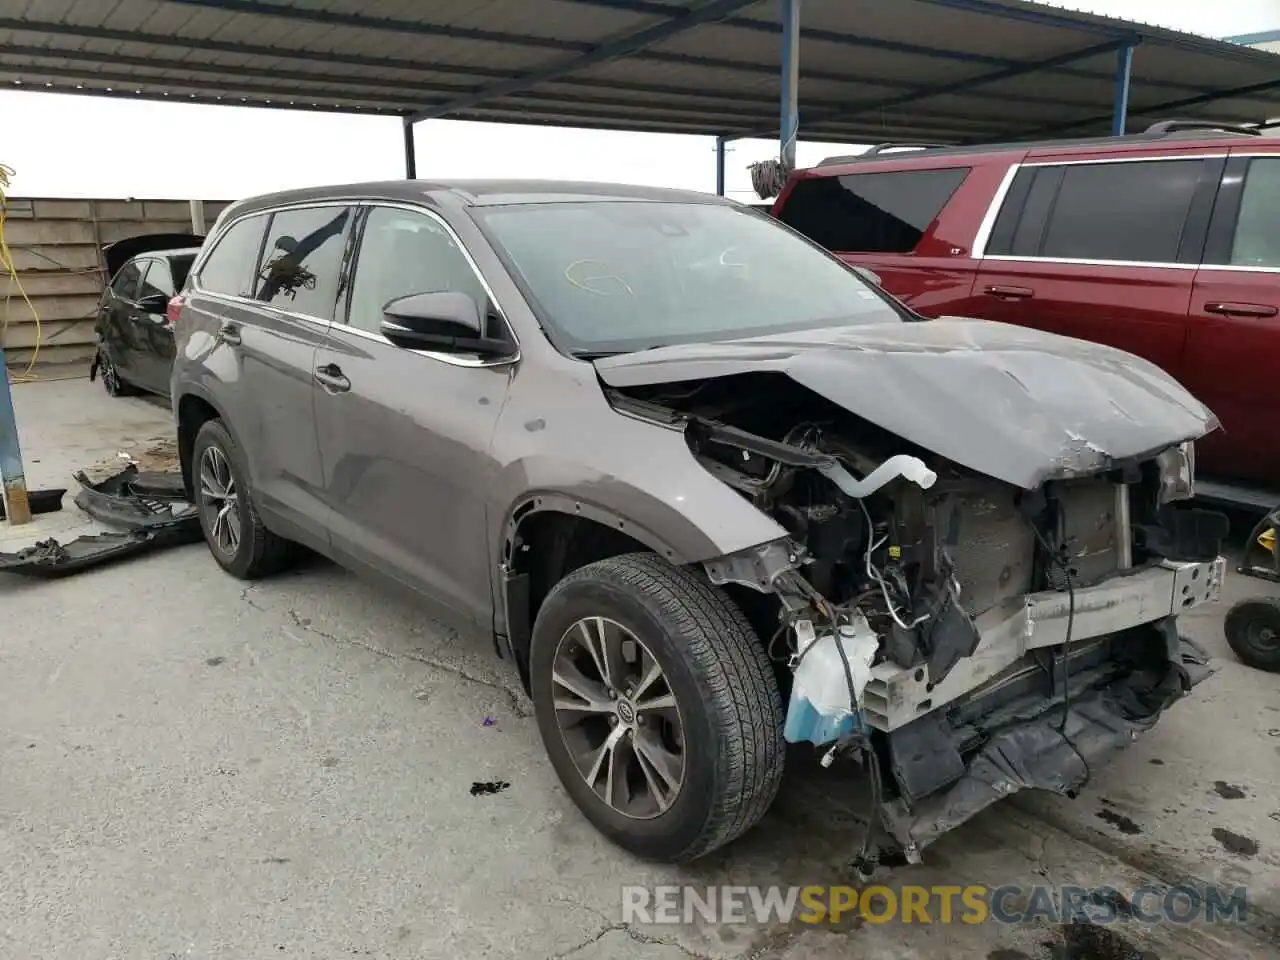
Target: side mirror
x=154, y=303
x=868, y=275
x=443, y=320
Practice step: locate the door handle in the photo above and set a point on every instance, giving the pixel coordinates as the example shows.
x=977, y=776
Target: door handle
x=1242, y=309
x=1009, y=293
x=331, y=377
x=229, y=333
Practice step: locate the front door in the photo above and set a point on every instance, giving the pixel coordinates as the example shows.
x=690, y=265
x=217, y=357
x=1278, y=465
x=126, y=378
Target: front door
x=405, y=434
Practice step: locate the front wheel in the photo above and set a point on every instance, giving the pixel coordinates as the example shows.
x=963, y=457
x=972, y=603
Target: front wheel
x=657, y=706
x=236, y=535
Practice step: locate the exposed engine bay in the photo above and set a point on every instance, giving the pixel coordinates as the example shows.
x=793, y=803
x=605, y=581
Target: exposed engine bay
x=983, y=637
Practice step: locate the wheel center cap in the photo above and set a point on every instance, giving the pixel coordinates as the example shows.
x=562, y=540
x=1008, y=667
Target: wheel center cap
x=626, y=712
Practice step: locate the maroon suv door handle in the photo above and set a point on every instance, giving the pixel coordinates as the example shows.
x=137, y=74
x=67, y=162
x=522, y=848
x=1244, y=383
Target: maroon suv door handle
x=1009, y=293
x=1242, y=309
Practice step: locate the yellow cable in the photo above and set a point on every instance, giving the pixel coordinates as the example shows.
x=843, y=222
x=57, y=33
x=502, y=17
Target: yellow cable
x=6, y=261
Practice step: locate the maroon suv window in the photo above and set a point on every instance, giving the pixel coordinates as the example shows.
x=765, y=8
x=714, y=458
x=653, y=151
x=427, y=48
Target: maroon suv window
x=870, y=212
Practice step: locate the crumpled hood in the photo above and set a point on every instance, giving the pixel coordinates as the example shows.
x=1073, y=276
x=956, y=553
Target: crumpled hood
x=1016, y=404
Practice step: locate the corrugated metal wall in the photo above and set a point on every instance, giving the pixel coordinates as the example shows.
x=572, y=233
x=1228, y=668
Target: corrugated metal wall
x=56, y=247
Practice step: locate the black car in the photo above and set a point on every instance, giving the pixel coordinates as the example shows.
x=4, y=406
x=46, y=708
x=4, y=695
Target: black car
x=135, y=333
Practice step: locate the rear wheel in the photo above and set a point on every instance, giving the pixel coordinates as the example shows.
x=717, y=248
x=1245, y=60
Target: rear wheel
x=236, y=535
x=657, y=706
x=112, y=382
x=1253, y=632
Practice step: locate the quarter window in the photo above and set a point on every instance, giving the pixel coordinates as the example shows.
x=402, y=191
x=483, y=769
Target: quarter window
x=404, y=252
x=125, y=283
x=1257, y=240
x=230, y=266
x=302, y=260
x=870, y=212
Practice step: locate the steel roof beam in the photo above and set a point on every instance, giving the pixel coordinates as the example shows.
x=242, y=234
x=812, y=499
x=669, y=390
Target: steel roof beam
x=488, y=73
x=335, y=18
x=962, y=86
x=616, y=48
x=1163, y=108
x=871, y=43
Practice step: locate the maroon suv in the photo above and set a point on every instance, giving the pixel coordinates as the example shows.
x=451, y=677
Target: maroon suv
x=1164, y=244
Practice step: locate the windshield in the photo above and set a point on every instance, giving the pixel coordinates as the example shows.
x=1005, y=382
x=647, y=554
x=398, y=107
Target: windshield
x=613, y=276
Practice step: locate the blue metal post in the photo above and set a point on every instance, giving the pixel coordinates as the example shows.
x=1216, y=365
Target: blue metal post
x=789, y=131
x=1120, y=108
x=410, y=152
x=720, y=166
x=12, y=481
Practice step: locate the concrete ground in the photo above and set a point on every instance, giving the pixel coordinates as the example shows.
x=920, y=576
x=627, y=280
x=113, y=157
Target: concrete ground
x=194, y=767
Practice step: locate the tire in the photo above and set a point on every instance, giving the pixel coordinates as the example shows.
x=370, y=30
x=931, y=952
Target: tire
x=726, y=704
x=112, y=382
x=249, y=550
x=1253, y=632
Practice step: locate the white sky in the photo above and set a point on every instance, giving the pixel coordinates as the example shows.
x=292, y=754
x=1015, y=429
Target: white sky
x=82, y=146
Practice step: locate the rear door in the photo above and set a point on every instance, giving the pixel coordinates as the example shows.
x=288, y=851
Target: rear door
x=887, y=219
x=116, y=327
x=155, y=359
x=1233, y=339
x=405, y=434
x=276, y=276
x=1104, y=250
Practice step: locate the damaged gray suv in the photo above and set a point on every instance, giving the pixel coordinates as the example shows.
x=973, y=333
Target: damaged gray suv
x=709, y=490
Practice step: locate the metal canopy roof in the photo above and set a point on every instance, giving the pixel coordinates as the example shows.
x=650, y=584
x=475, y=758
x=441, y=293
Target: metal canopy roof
x=954, y=70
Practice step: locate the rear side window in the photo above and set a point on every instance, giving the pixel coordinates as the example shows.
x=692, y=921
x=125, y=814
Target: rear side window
x=302, y=260
x=229, y=268
x=1257, y=239
x=125, y=282
x=1128, y=212
x=870, y=212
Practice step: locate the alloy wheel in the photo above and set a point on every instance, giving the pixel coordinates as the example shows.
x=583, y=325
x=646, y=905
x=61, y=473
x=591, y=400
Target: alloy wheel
x=110, y=379
x=619, y=717
x=220, y=501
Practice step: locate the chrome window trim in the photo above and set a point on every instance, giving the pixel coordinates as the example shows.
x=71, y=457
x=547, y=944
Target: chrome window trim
x=333, y=325
x=989, y=220
x=988, y=224
x=1073, y=261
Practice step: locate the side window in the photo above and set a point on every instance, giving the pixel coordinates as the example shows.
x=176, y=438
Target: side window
x=1257, y=241
x=870, y=212
x=404, y=252
x=1131, y=212
x=157, y=281
x=125, y=282
x=230, y=267
x=302, y=260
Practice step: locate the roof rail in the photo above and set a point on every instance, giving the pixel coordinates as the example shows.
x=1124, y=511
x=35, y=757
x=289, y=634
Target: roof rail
x=1178, y=126
x=881, y=148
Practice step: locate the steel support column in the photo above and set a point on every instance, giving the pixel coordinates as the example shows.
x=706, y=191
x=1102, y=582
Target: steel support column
x=410, y=154
x=789, y=130
x=720, y=142
x=1120, y=106
x=12, y=480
